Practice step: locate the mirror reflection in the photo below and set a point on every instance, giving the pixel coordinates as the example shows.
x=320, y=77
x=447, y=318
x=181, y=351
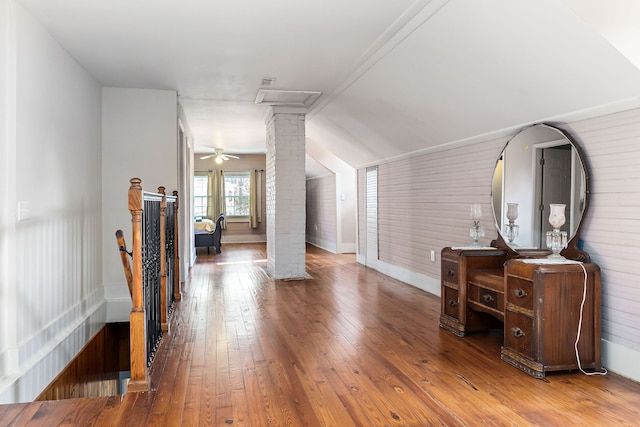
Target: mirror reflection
x=538, y=167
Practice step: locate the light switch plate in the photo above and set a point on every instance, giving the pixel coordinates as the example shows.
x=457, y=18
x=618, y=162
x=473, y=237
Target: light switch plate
x=24, y=211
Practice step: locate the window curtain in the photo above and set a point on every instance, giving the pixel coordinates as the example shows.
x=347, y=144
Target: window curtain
x=253, y=199
x=216, y=205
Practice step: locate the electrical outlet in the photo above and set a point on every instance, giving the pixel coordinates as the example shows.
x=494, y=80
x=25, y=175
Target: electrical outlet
x=433, y=256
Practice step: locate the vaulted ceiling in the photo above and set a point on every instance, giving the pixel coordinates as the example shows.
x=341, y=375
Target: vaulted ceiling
x=396, y=76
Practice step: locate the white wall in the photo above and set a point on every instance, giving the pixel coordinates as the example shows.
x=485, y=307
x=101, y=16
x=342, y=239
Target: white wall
x=345, y=194
x=139, y=139
x=321, y=223
x=51, y=296
x=8, y=340
x=185, y=194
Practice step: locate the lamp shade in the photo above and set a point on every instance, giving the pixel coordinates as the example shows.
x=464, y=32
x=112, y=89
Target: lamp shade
x=476, y=211
x=512, y=211
x=556, y=215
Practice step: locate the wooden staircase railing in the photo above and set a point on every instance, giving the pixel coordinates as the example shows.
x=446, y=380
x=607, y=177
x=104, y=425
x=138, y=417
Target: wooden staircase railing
x=153, y=275
x=126, y=266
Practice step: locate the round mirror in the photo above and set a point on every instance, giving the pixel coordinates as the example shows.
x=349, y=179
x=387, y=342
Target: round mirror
x=538, y=167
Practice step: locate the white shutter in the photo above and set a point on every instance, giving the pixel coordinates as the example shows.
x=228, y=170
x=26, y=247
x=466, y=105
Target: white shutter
x=372, y=216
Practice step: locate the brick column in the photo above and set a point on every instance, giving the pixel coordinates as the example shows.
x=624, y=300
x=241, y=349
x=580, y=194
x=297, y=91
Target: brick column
x=286, y=192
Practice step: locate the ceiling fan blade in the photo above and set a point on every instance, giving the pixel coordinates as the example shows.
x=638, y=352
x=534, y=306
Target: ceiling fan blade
x=207, y=157
x=231, y=156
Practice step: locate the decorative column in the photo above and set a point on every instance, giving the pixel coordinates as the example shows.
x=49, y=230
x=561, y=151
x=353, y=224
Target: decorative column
x=286, y=192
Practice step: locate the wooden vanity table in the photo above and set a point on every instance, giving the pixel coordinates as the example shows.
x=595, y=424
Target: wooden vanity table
x=472, y=289
x=538, y=304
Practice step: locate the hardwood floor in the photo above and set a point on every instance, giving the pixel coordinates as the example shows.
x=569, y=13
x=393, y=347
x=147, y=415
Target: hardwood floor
x=348, y=347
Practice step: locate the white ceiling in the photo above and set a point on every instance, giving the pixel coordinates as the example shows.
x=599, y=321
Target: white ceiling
x=396, y=76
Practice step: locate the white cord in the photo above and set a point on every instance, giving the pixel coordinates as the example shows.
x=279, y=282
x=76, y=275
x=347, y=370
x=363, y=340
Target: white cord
x=584, y=298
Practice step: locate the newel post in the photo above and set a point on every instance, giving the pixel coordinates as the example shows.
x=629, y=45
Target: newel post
x=138, y=351
x=177, y=295
x=163, y=260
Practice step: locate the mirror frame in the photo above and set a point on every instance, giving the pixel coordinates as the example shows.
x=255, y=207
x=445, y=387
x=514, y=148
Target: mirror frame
x=571, y=251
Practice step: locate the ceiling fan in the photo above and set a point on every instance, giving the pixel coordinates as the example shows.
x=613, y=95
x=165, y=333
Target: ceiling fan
x=218, y=156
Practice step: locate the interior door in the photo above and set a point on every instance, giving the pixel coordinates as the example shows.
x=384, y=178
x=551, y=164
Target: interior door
x=556, y=185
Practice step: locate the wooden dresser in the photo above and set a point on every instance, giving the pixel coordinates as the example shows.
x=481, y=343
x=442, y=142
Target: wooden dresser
x=542, y=313
x=468, y=302
x=538, y=305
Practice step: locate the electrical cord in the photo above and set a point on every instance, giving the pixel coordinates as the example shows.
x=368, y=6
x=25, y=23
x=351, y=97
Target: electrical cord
x=584, y=298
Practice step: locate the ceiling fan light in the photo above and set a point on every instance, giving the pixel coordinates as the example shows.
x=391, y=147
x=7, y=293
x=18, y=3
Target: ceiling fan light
x=218, y=159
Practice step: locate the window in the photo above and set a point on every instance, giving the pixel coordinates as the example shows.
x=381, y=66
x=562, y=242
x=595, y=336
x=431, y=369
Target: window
x=200, y=196
x=236, y=193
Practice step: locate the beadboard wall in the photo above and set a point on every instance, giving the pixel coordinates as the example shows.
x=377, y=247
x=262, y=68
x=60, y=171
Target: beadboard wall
x=321, y=212
x=423, y=204
x=51, y=295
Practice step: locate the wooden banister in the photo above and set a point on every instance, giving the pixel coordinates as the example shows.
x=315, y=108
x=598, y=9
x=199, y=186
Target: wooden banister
x=126, y=265
x=139, y=375
x=164, y=310
x=152, y=277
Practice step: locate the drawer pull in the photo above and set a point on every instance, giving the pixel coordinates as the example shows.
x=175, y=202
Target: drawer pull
x=450, y=273
x=453, y=302
x=487, y=298
x=519, y=293
x=517, y=332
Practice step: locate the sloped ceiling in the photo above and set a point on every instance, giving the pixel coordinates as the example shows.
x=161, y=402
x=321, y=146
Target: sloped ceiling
x=397, y=76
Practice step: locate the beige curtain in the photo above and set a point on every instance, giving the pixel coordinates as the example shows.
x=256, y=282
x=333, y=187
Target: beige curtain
x=216, y=205
x=253, y=199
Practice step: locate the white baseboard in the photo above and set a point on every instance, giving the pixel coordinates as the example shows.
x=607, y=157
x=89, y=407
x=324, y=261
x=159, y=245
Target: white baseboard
x=243, y=238
x=346, y=248
x=323, y=245
x=621, y=360
x=418, y=280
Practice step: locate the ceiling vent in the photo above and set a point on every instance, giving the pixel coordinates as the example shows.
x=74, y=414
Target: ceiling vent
x=289, y=98
x=267, y=81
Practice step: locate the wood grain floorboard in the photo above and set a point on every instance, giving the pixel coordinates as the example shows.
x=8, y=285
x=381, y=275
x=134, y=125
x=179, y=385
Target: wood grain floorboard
x=347, y=347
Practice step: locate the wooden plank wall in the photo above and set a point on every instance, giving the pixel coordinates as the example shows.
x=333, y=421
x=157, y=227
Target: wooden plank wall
x=94, y=371
x=322, y=212
x=611, y=234
x=424, y=202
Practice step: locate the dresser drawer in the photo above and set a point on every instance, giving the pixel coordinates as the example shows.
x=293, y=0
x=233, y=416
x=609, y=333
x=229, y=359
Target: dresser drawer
x=451, y=302
x=487, y=298
x=449, y=271
x=520, y=292
x=518, y=333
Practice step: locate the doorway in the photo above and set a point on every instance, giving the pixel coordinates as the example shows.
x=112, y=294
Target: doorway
x=554, y=184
